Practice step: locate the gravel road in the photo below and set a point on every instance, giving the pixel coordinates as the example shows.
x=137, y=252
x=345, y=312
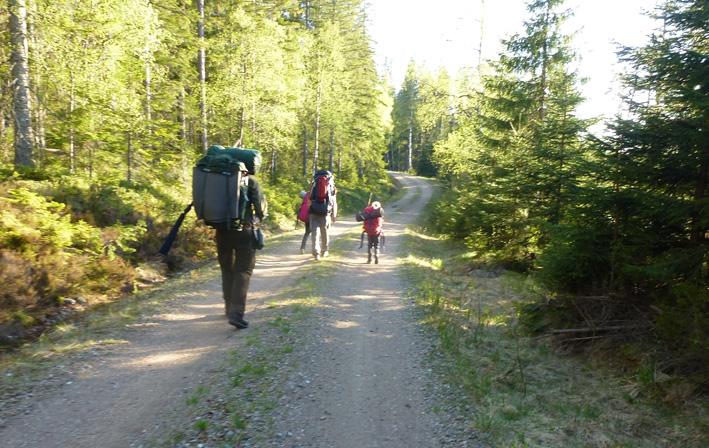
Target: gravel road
x=364, y=356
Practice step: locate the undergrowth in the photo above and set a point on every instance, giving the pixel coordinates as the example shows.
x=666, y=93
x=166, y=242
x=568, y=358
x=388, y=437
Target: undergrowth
x=527, y=393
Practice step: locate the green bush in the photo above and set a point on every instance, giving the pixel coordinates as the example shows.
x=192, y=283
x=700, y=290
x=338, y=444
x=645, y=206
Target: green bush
x=577, y=259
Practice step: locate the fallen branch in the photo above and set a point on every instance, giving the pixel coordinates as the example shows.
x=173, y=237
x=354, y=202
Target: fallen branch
x=595, y=329
x=587, y=338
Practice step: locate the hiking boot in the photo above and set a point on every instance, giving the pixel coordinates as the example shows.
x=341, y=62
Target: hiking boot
x=317, y=257
x=369, y=259
x=325, y=254
x=238, y=322
x=376, y=260
x=302, y=251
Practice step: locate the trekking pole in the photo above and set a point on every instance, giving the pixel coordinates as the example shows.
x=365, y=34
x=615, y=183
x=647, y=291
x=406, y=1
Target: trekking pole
x=167, y=244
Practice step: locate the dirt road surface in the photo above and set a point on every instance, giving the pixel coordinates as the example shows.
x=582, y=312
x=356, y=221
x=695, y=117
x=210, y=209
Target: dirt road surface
x=366, y=358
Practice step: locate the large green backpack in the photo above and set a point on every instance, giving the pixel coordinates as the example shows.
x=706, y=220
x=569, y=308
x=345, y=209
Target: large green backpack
x=214, y=185
x=224, y=159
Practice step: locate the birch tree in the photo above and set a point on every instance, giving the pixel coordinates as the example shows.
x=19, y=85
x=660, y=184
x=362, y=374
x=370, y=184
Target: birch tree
x=22, y=108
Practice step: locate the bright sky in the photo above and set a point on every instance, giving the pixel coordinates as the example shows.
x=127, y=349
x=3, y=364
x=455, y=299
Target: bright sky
x=447, y=33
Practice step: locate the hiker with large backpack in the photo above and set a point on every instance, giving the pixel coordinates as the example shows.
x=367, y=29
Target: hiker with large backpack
x=323, y=211
x=373, y=217
x=228, y=198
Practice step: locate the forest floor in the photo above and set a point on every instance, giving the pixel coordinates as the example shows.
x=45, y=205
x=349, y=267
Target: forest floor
x=339, y=353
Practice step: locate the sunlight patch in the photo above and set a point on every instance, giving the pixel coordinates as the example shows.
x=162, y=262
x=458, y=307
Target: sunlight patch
x=168, y=359
x=83, y=345
x=345, y=324
x=422, y=236
x=434, y=264
x=181, y=317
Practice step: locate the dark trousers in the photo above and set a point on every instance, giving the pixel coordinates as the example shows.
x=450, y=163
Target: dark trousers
x=237, y=259
x=307, y=234
x=373, y=243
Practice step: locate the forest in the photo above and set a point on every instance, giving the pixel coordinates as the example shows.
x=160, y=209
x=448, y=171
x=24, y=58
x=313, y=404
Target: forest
x=612, y=226
x=106, y=104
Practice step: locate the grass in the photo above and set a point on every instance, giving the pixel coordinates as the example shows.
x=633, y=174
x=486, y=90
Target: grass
x=201, y=425
x=527, y=394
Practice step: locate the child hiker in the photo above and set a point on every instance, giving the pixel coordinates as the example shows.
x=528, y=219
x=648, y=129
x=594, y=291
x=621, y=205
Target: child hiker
x=373, y=220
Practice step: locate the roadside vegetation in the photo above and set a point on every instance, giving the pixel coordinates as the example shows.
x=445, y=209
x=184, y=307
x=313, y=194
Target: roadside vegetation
x=529, y=390
x=609, y=219
x=86, y=334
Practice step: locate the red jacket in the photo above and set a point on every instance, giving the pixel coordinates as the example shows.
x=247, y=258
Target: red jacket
x=303, y=211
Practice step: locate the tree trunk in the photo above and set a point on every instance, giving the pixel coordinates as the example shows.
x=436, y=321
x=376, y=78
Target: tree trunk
x=253, y=96
x=22, y=107
x=482, y=34
x=274, y=161
x=202, y=74
x=409, y=156
x=72, y=107
x=332, y=151
x=184, y=156
x=339, y=161
x=698, y=231
x=149, y=98
x=305, y=151
x=559, y=188
x=316, y=146
x=40, y=140
x=545, y=62
x=306, y=8
x=3, y=127
x=129, y=158
x=183, y=117
x=91, y=160
x=242, y=117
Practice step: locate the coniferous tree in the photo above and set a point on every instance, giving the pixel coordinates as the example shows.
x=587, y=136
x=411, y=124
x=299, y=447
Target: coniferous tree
x=660, y=158
x=519, y=146
x=404, y=117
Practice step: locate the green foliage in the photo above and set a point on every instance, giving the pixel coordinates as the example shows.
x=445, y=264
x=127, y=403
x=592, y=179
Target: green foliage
x=530, y=188
x=514, y=157
x=524, y=392
x=65, y=237
x=117, y=109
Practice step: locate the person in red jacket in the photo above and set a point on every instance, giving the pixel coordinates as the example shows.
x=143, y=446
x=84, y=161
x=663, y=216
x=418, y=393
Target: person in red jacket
x=304, y=216
x=373, y=222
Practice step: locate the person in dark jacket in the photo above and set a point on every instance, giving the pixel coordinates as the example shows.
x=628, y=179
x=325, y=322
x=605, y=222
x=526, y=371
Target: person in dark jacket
x=237, y=252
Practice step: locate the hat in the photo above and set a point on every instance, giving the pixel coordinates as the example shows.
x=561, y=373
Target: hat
x=242, y=167
x=302, y=193
x=376, y=205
